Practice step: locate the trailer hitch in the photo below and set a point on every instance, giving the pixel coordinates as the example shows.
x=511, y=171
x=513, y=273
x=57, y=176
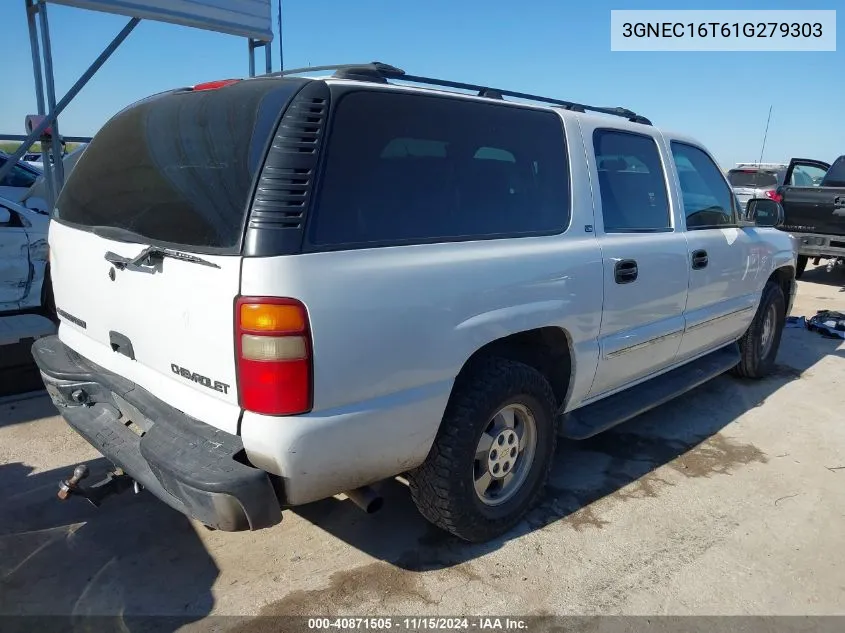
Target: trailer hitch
x=114, y=483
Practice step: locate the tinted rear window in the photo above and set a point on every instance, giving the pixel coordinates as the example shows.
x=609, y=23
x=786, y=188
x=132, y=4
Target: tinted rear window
x=753, y=178
x=404, y=168
x=177, y=168
x=835, y=176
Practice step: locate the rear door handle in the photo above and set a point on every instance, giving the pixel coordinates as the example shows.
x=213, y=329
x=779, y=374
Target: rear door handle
x=626, y=271
x=699, y=260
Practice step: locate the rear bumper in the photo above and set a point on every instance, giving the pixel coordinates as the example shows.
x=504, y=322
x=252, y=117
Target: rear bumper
x=818, y=245
x=186, y=463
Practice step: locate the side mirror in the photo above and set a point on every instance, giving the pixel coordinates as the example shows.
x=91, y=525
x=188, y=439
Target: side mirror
x=5, y=216
x=765, y=212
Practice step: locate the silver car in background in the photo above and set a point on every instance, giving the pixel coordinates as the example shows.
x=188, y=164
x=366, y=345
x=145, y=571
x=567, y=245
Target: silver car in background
x=756, y=180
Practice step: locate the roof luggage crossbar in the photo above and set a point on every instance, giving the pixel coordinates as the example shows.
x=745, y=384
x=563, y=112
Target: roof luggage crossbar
x=379, y=72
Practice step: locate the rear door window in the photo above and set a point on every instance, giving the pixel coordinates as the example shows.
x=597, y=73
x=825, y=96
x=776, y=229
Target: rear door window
x=177, y=168
x=632, y=182
x=407, y=168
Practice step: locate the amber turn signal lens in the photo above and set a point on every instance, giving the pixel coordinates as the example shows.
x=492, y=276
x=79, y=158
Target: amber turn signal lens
x=268, y=317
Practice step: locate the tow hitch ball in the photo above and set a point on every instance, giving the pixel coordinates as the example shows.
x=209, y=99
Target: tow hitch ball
x=114, y=483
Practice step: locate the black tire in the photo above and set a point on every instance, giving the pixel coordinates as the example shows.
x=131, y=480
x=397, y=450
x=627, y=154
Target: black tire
x=443, y=486
x=800, y=265
x=755, y=362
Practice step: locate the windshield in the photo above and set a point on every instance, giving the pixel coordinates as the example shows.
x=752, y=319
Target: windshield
x=177, y=169
x=757, y=178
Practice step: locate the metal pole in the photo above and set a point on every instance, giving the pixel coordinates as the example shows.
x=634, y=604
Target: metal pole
x=49, y=81
x=268, y=61
x=281, y=52
x=67, y=139
x=35, y=48
x=63, y=103
x=251, y=45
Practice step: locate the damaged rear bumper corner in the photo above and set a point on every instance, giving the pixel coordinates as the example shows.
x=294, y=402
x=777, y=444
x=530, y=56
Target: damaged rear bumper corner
x=189, y=465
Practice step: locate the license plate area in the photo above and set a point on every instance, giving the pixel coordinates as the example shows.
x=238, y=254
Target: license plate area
x=131, y=417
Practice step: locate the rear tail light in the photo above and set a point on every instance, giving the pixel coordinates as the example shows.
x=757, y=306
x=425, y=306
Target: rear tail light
x=274, y=355
x=773, y=195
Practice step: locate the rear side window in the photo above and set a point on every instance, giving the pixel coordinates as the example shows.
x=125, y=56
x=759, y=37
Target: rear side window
x=178, y=168
x=631, y=182
x=404, y=169
x=753, y=178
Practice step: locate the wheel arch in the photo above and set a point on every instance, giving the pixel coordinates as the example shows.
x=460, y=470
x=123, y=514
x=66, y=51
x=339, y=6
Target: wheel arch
x=547, y=349
x=784, y=277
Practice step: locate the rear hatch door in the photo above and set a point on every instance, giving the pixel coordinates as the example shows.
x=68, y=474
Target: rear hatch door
x=146, y=240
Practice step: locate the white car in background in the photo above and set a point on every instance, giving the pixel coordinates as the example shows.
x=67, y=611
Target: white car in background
x=24, y=219
x=24, y=267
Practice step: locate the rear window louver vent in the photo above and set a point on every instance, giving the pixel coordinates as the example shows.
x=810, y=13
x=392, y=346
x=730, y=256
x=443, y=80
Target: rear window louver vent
x=284, y=190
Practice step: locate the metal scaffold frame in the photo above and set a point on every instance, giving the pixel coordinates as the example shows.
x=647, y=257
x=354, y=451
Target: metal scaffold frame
x=45, y=127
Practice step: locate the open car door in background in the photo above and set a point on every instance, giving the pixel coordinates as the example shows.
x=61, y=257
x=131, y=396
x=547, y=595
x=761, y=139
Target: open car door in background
x=809, y=207
x=805, y=172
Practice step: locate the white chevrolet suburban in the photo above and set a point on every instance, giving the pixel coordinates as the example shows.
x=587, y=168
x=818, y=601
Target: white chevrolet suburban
x=280, y=289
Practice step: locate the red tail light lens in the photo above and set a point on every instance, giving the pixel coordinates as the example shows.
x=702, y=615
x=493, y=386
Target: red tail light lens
x=274, y=355
x=214, y=85
x=774, y=195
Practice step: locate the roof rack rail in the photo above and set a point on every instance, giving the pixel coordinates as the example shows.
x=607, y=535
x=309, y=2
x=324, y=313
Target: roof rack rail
x=380, y=72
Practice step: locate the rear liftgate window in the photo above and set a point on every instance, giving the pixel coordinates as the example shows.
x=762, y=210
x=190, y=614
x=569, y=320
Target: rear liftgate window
x=753, y=178
x=177, y=168
x=405, y=169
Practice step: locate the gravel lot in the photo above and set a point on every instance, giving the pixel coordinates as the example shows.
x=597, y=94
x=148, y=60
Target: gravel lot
x=727, y=501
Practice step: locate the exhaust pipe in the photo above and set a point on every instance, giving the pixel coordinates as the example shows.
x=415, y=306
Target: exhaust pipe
x=365, y=498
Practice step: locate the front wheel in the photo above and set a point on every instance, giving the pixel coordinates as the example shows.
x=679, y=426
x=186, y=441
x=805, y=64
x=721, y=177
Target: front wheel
x=759, y=345
x=492, y=454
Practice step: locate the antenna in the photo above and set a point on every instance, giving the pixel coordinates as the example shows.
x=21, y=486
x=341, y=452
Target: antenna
x=765, y=136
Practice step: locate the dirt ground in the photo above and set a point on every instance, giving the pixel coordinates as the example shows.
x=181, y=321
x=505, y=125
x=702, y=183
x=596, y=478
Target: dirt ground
x=727, y=501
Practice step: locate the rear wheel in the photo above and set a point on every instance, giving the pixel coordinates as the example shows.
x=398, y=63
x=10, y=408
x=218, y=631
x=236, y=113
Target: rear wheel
x=759, y=345
x=800, y=265
x=492, y=455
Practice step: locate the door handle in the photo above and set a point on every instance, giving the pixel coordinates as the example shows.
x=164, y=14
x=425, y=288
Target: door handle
x=839, y=202
x=699, y=260
x=625, y=271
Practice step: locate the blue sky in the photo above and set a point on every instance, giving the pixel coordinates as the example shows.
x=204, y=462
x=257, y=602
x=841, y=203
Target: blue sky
x=549, y=47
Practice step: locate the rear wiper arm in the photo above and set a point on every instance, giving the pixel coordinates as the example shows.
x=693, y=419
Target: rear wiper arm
x=142, y=258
